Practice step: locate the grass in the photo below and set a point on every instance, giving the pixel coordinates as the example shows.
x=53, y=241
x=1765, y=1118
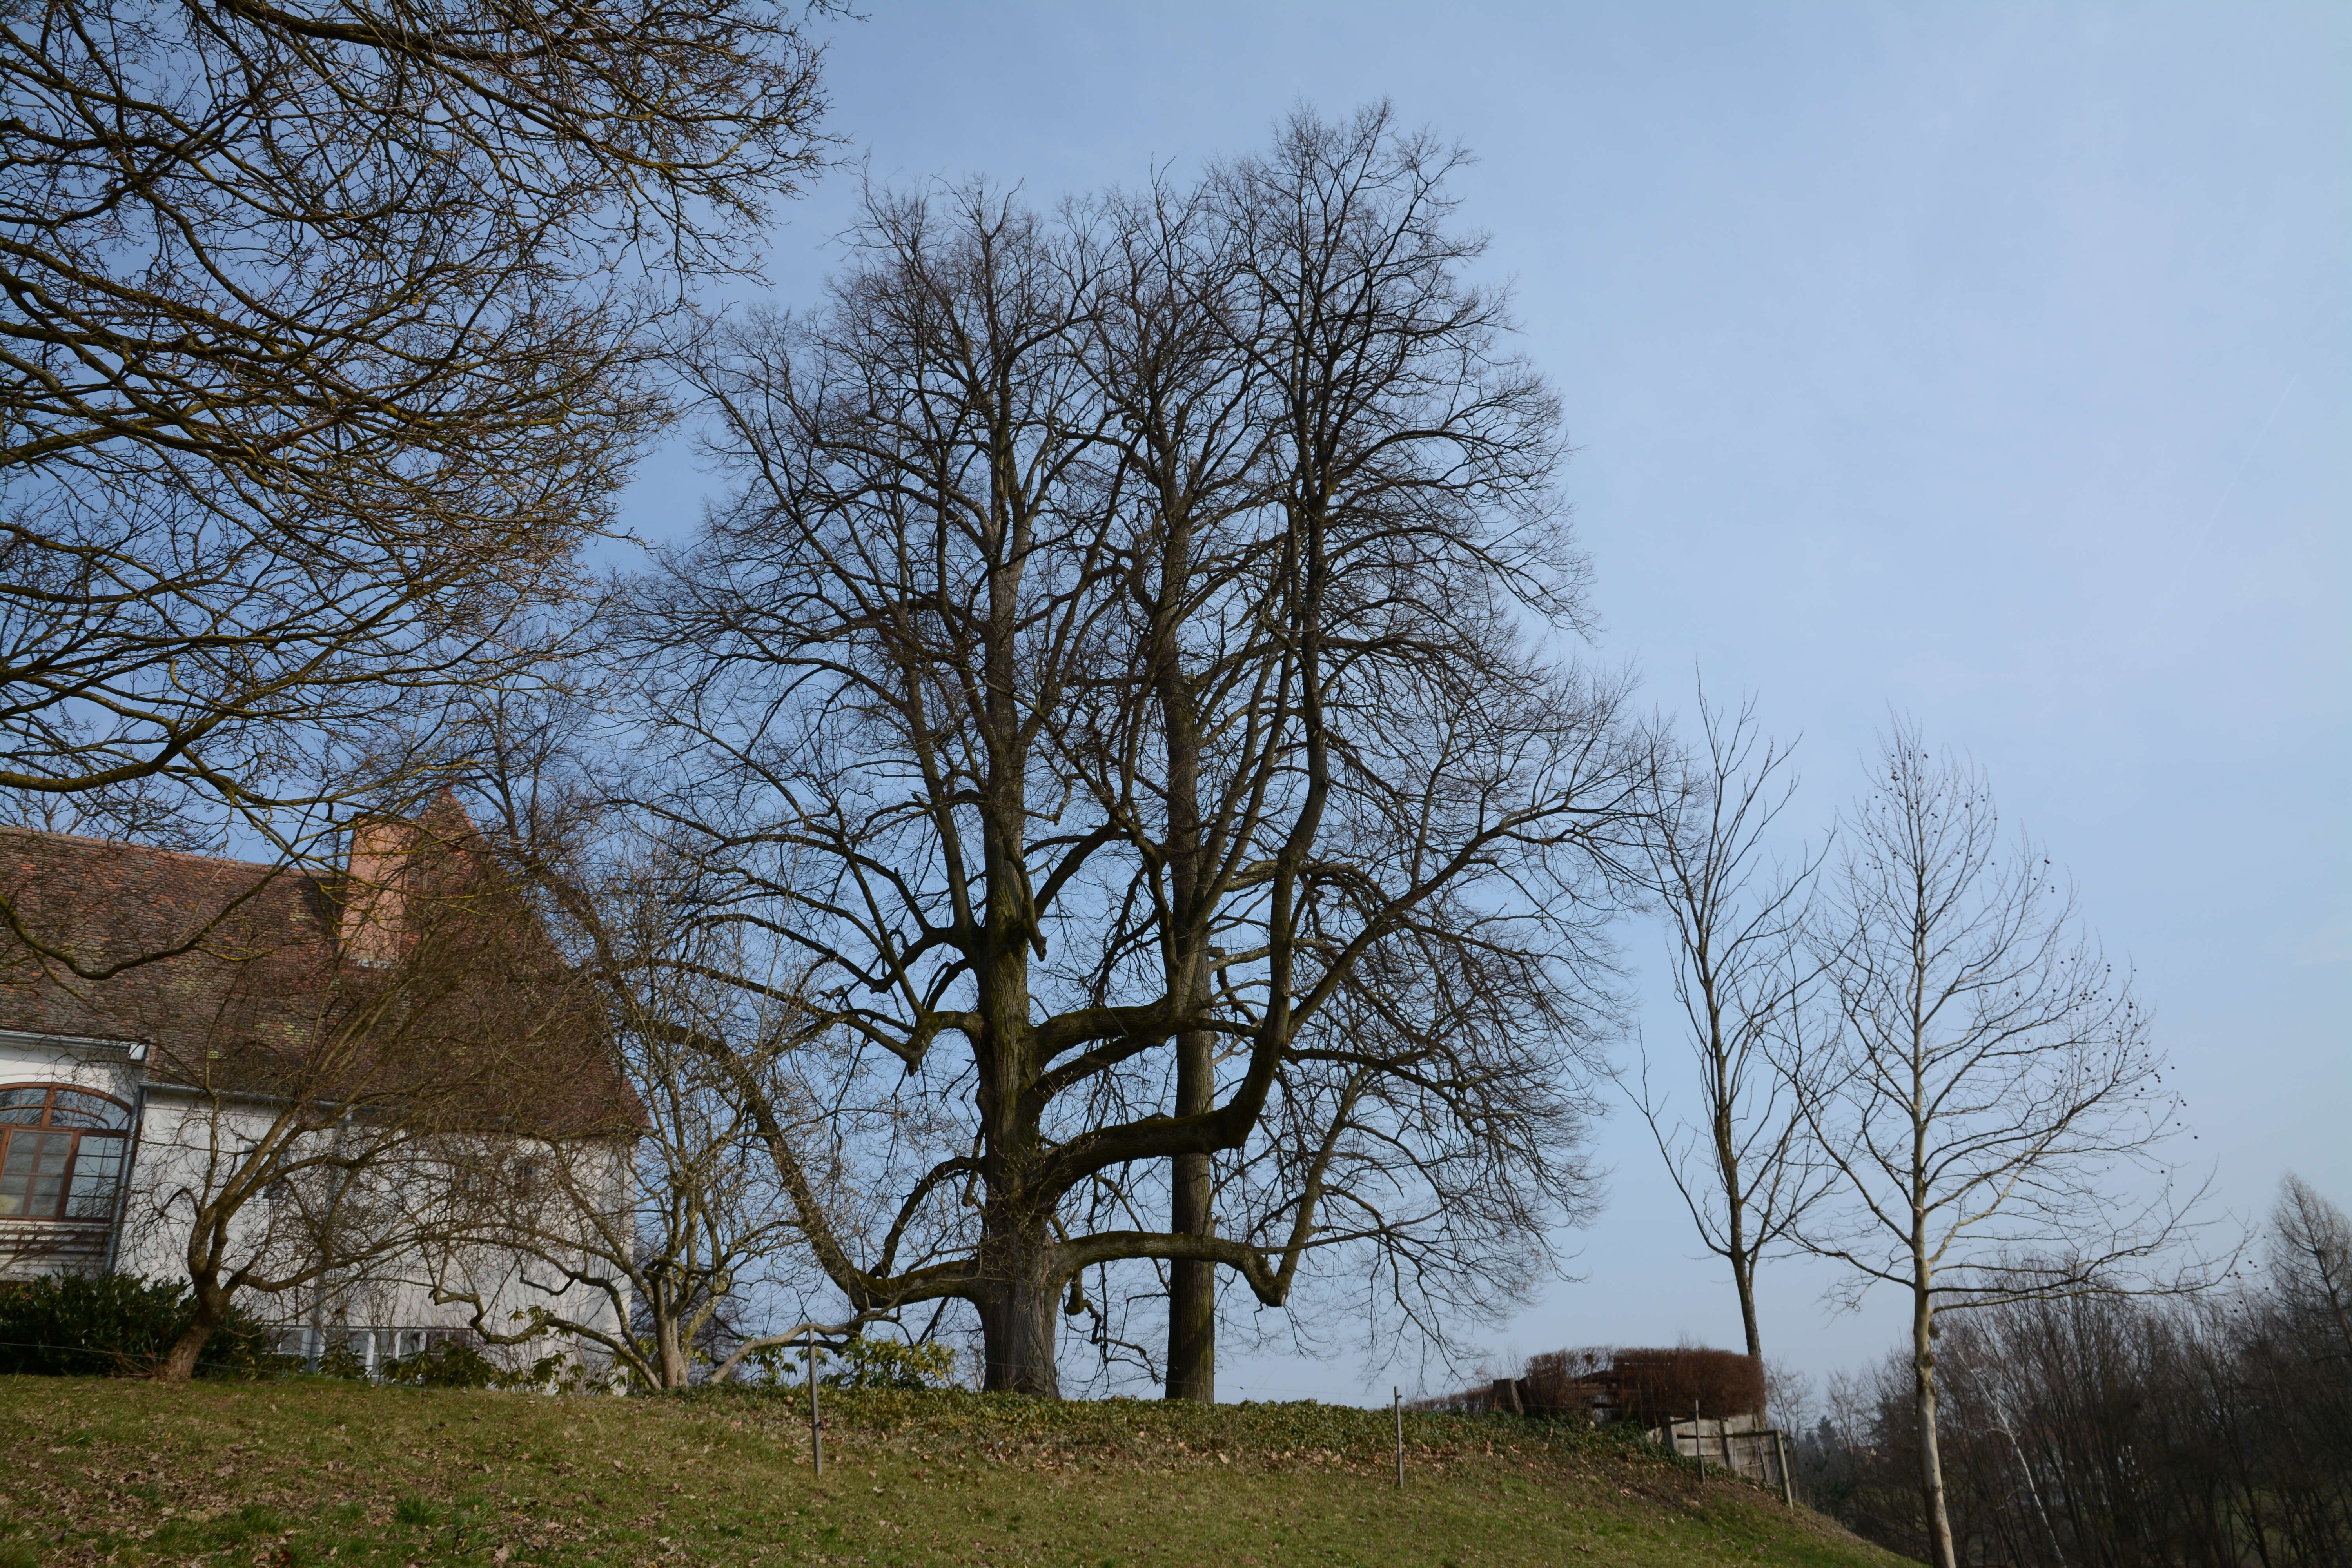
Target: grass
x=311, y=1472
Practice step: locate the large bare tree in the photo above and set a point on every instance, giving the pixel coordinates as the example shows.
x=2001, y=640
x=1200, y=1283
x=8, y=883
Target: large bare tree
x=1743, y=1164
x=1983, y=1091
x=326, y=334
x=1109, y=678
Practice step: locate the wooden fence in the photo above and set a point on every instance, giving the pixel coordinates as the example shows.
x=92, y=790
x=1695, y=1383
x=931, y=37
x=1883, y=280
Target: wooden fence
x=1740, y=1444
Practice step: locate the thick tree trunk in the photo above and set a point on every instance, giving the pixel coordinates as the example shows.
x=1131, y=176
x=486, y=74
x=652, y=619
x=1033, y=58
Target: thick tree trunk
x=1193, y=1286
x=180, y=1363
x=1018, y=1313
x=1940, y=1551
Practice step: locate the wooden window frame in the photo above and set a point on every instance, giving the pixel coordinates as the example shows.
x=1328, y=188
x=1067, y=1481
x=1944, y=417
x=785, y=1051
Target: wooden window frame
x=47, y=1127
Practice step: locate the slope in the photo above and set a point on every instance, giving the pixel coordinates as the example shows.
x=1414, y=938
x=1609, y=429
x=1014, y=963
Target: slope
x=309, y=1471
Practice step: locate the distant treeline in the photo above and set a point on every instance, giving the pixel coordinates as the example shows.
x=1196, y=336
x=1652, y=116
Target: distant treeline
x=2208, y=1433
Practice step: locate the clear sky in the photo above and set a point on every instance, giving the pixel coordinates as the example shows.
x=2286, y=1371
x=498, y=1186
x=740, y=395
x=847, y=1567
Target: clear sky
x=1990, y=362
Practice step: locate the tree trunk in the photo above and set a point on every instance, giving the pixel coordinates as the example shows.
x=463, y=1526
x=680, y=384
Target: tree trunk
x=1193, y=1285
x=1016, y=1315
x=1743, y=1275
x=674, y=1369
x=180, y=1363
x=1743, y=1260
x=1940, y=1551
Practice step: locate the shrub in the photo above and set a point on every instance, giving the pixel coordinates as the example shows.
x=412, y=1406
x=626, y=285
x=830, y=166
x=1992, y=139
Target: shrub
x=457, y=1363
x=451, y=1363
x=892, y=1363
x=1655, y=1386
x=117, y=1326
x=341, y=1362
x=861, y=1364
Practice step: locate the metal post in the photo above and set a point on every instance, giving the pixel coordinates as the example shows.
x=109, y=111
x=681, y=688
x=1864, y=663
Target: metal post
x=1781, y=1447
x=1397, y=1396
x=1698, y=1441
x=817, y=1428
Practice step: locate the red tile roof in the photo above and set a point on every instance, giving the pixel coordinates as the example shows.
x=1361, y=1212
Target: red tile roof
x=429, y=972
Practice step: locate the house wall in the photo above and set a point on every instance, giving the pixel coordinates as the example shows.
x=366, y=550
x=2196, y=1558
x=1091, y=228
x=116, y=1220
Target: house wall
x=188, y=1145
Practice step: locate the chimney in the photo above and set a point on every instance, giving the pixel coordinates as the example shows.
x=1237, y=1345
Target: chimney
x=393, y=862
x=375, y=890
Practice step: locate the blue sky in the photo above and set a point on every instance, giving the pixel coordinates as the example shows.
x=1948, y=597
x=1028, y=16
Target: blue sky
x=1987, y=363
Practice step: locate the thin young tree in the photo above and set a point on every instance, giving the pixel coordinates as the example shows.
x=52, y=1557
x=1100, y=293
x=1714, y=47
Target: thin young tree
x=1744, y=1165
x=911, y=665
x=1982, y=1087
x=327, y=334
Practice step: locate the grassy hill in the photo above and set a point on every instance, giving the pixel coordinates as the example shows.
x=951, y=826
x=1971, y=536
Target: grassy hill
x=316, y=1472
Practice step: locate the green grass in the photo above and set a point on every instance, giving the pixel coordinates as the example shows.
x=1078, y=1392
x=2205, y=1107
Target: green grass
x=319, y=1473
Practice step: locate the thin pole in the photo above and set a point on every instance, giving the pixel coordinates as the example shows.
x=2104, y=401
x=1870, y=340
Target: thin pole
x=1781, y=1447
x=817, y=1428
x=1698, y=1441
x=1397, y=1396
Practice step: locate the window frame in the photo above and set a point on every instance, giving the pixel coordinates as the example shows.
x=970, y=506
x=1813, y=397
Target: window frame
x=74, y=1133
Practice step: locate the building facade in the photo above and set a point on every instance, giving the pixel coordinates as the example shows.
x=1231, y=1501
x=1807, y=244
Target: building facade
x=323, y=1088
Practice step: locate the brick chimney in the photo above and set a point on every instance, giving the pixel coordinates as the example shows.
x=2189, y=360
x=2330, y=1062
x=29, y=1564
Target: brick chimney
x=394, y=860
x=375, y=890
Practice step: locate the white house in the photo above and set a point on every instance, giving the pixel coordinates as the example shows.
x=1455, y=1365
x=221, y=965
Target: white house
x=228, y=1061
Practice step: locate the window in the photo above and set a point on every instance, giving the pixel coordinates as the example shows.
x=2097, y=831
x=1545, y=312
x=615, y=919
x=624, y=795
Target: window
x=61, y=1152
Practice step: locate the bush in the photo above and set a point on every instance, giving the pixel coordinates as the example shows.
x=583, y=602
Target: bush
x=1647, y=1388
x=894, y=1364
x=118, y=1326
x=1655, y=1386
x=451, y=1363
x=456, y=1364
x=863, y=1363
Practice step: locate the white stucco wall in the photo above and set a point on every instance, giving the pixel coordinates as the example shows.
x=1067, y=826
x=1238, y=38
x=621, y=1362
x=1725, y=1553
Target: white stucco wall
x=187, y=1144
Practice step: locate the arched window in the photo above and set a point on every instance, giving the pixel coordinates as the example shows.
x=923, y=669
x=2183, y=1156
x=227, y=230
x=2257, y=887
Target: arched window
x=61, y=1152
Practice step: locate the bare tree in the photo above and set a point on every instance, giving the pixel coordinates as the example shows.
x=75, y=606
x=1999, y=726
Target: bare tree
x=1984, y=1080
x=327, y=334
x=2310, y=1255
x=1744, y=1168
x=649, y=1244
x=921, y=663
